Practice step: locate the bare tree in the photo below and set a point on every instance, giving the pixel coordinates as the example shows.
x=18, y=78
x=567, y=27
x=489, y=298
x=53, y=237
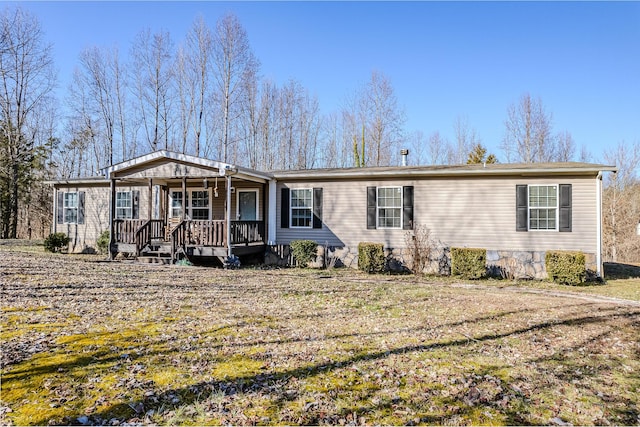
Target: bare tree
x=528, y=132
x=385, y=120
x=374, y=107
x=466, y=139
x=27, y=81
x=152, y=61
x=438, y=149
x=233, y=61
x=621, y=204
x=565, y=147
x=103, y=97
x=194, y=62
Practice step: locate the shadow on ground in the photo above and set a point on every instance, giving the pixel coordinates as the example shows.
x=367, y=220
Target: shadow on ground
x=614, y=270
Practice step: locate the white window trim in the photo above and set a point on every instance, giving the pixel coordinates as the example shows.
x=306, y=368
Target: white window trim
x=189, y=207
x=291, y=209
x=65, y=207
x=130, y=207
x=378, y=208
x=537, y=230
x=248, y=190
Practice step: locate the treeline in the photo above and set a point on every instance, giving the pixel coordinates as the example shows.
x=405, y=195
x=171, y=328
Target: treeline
x=204, y=95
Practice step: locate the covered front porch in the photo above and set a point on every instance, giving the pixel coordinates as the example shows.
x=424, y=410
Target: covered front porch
x=188, y=238
x=171, y=206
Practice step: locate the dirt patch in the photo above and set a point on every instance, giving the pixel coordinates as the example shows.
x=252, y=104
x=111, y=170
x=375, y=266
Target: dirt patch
x=87, y=342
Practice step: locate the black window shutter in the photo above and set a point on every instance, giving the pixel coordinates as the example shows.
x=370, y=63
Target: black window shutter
x=60, y=208
x=81, y=207
x=407, y=207
x=522, y=208
x=565, y=208
x=371, y=207
x=317, y=208
x=284, y=208
x=135, y=204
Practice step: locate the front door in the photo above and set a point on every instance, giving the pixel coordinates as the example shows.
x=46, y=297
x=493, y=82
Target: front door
x=247, y=205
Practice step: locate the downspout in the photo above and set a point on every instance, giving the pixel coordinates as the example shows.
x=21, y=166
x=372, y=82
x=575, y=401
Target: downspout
x=599, y=224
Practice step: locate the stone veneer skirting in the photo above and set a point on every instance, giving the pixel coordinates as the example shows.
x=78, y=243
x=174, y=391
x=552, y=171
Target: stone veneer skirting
x=508, y=264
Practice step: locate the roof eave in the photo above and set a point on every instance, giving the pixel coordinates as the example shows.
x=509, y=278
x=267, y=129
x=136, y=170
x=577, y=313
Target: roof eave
x=309, y=174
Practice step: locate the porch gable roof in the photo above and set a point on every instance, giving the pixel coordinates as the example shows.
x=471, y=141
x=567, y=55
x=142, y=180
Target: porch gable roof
x=153, y=158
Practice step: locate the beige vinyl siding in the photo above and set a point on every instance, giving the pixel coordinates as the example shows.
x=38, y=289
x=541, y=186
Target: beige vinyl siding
x=461, y=212
x=165, y=169
x=218, y=209
x=96, y=214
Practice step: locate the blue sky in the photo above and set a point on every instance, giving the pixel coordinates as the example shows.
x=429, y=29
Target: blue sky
x=444, y=59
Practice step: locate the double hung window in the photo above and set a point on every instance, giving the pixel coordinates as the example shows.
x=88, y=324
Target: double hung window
x=196, y=203
x=543, y=207
x=124, y=205
x=200, y=204
x=301, y=207
x=389, y=207
x=71, y=208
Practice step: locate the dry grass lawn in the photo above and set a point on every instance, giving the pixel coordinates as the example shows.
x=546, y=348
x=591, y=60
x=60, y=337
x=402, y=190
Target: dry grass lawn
x=89, y=342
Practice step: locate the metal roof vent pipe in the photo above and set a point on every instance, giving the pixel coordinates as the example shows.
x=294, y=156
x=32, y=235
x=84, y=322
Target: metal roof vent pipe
x=404, y=153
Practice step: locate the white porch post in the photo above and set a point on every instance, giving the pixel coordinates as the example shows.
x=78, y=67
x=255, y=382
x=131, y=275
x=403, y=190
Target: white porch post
x=229, y=215
x=599, y=225
x=271, y=231
x=54, y=224
x=112, y=217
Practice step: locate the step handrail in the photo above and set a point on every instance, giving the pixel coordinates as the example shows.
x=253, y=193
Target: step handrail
x=178, y=239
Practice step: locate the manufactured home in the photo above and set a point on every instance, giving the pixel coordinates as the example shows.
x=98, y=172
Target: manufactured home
x=173, y=205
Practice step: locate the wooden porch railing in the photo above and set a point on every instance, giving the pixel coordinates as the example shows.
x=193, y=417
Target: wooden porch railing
x=188, y=232
x=151, y=229
x=124, y=230
x=207, y=233
x=245, y=232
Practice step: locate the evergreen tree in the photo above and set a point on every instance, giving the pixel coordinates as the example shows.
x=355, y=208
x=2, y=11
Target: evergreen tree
x=478, y=155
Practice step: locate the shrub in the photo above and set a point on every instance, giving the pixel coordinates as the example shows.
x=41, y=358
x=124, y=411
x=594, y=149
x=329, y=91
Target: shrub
x=103, y=242
x=55, y=242
x=469, y=263
x=303, y=251
x=567, y=268
x=371, y=257
x=420, y=247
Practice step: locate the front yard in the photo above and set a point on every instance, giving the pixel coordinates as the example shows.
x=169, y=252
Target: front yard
x=90, y=342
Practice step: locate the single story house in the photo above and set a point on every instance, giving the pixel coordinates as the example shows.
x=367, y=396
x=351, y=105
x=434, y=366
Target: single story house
x=180, y=205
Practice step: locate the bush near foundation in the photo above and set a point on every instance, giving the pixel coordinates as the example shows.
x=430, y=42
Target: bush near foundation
x=55, y=242
x=567, y=268
x=103, y=242
x=371, y=257
x=303, y=251
x=469, y=263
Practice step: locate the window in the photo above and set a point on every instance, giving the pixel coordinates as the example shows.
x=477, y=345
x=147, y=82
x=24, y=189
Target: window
x=389, y=207
x=543, y=207
x=199, y=205
x=124, y=205
x=176, y=204
x=70, y=208
x=301, y=207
